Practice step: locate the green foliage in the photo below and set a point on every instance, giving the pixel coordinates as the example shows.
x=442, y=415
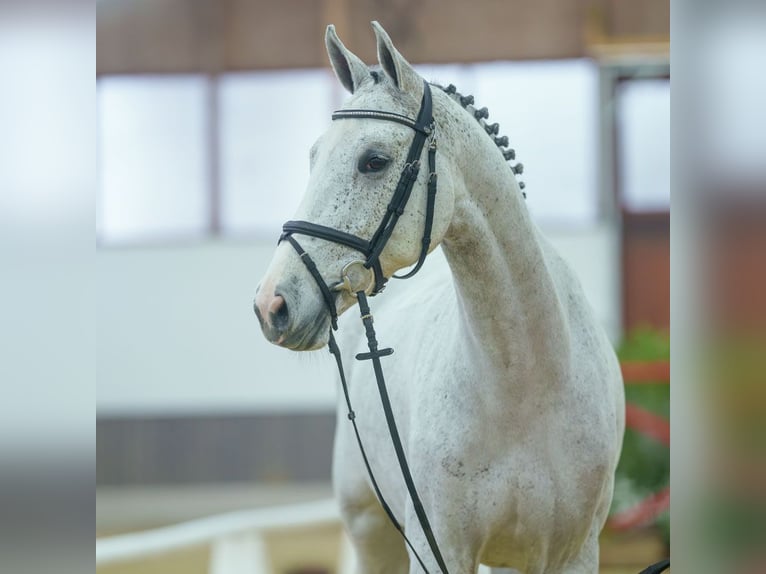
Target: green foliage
x=645, y=344
x=644, y=466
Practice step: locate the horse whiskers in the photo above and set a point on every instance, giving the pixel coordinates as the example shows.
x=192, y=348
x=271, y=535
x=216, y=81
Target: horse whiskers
x=481, y=114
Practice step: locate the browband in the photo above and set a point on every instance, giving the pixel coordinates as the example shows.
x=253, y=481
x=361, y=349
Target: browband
x=381, y=115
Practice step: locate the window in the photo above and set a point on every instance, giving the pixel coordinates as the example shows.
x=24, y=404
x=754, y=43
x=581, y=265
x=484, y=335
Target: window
x=268, y=123
x=548, y=111
x=729, y=140
x=154, y=160
x=643, y=144
x=162, y=166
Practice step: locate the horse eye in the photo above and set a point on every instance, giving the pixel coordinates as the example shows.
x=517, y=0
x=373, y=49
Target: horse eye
x=373, y=163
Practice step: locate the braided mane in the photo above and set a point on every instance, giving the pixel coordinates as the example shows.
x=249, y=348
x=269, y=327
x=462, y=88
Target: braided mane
x=481, y=115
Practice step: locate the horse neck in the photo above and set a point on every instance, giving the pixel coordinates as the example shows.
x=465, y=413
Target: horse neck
x=509, y=307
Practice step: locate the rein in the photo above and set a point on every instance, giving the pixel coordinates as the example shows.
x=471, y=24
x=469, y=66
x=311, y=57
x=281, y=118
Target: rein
x=352, y=281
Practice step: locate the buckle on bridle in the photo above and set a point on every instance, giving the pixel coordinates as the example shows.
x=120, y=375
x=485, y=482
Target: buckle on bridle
x=355, y=277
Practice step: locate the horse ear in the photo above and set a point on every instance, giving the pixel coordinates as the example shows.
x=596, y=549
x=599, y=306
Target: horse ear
x=349, y=69
x=393, y=63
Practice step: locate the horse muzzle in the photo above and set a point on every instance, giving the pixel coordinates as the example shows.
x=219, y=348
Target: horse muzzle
x=281, y=323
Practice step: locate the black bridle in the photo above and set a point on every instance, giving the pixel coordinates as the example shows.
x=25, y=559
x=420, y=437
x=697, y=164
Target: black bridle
x=424, y=129
x=371, y=249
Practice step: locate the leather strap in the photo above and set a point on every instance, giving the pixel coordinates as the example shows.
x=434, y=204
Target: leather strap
x=660, y=566
x=335, y=351
x=336, y=236
x=374, y=355
x=430, y=207
x=328, y=233
x=379, y=115
x=312, y=268
x=424, y=123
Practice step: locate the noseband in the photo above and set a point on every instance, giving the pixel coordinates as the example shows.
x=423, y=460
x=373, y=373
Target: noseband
x=356, y=279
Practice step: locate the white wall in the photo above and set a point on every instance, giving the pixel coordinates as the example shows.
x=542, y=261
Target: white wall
x=177, y=334
x=176, y=331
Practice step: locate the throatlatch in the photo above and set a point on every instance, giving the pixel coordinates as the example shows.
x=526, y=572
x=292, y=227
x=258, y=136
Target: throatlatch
x=355, y=283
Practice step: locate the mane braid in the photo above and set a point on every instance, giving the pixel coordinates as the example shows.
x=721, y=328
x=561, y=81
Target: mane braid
x=467, y=102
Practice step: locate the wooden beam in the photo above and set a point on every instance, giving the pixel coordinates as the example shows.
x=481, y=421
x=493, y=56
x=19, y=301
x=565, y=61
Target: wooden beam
x=182, y=36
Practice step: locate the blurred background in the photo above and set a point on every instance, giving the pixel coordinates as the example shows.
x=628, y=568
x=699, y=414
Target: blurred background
x=206, y=112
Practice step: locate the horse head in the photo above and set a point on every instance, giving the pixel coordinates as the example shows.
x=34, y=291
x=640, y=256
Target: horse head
x=356, y=167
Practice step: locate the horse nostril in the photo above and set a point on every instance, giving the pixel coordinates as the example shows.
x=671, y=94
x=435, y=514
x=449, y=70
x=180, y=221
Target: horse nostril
x=278, y=314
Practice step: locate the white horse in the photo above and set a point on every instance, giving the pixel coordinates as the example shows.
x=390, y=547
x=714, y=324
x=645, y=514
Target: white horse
x=508, y=395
